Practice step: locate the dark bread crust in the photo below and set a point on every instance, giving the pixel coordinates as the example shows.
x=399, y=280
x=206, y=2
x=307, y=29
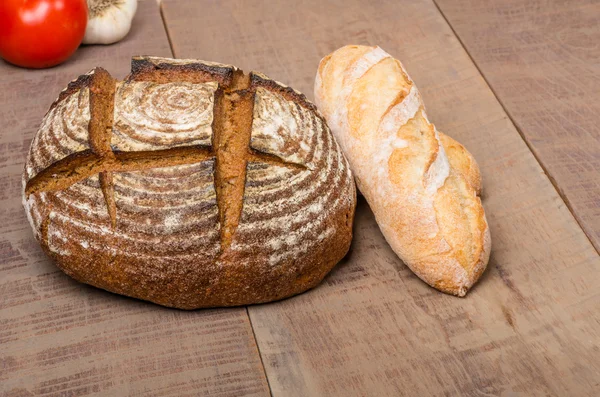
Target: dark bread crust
x=166, y=273
x=160, y=70
x=74, y=86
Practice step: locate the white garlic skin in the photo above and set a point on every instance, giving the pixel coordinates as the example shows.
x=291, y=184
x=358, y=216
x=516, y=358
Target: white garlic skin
x=112, y=23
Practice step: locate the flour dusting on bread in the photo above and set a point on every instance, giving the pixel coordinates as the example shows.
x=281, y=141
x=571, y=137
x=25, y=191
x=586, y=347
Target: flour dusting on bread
x=428, y=211
x=189, y=184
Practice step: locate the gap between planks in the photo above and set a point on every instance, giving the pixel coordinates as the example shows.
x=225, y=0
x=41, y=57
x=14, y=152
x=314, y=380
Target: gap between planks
x=259, y=352
x=521, y=134
x=260, y=356
x=166, y=27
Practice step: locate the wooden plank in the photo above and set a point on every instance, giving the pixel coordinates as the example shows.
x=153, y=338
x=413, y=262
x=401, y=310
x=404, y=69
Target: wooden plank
x=541, y=58
x=59, y=337
x=532, y=325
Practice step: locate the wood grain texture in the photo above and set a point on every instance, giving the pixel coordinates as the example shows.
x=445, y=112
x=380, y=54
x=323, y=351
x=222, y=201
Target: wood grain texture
x=62, y=338
x=530, y=326
x=542, y=59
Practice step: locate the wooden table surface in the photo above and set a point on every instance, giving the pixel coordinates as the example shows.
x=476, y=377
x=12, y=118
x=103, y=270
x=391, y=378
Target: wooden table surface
x=517, y=81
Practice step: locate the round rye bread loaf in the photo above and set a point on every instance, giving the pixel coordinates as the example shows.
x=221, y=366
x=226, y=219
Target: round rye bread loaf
x=189, y=184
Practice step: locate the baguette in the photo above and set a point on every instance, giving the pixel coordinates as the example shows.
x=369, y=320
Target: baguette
x=422, y=185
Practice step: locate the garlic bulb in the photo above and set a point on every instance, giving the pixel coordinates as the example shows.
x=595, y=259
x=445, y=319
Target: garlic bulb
x=109, y=20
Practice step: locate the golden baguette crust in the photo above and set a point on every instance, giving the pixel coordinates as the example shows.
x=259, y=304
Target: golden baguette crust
x=462, y=161
x=190, y=185
x=421, y=185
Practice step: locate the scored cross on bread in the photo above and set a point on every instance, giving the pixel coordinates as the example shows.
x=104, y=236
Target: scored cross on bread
x=190, y=184
x=231, y=150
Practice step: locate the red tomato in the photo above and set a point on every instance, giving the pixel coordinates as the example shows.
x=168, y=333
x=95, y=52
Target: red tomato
x=41, y=33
